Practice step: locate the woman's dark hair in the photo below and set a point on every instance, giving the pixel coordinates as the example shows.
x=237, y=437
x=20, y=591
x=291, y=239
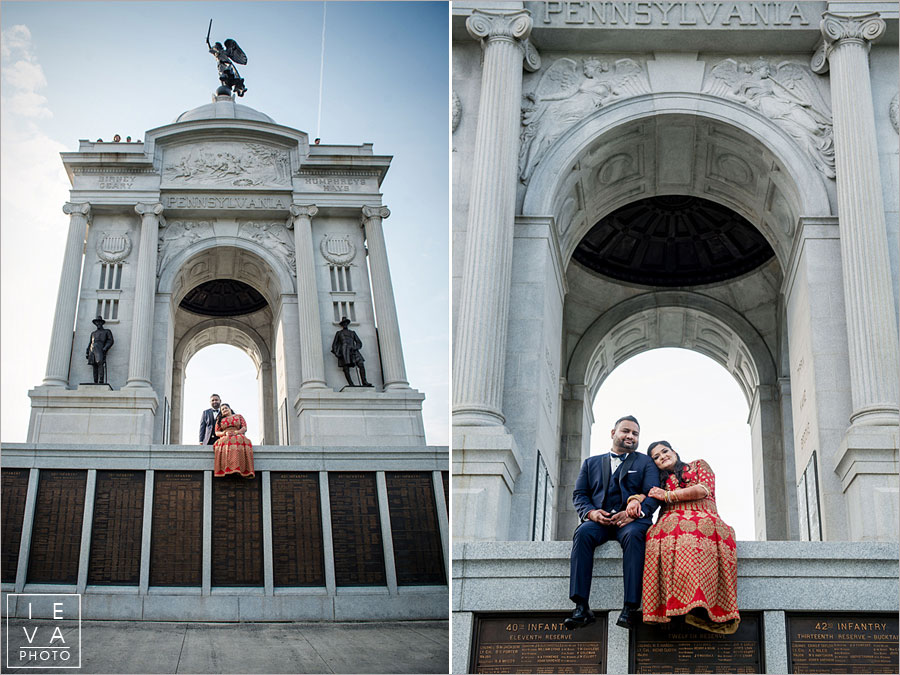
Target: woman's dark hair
x=219, y=416
x=679, y=465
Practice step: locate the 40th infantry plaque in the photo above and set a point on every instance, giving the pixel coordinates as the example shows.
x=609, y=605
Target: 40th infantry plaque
x=537, y=643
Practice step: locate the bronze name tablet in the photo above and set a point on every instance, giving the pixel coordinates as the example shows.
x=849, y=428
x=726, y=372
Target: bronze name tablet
x=56, y=536
x=537, y=643
x=415, y=532
x=297, y=549
x=12, y=511
x=678, y=647
x=827, y=642
x=356, y=529
x=176, y=539
x=116, y=529
x=237, y=555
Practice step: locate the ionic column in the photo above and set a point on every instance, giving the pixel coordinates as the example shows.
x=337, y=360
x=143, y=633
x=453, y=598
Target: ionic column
x=144, y=292
x=480, y=346
x=393, y=369
x=871, y=319
x=312, y=364
x=57, y=374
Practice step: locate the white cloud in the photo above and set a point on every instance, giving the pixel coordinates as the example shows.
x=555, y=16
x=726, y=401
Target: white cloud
x=22, y=75
x=15, y=41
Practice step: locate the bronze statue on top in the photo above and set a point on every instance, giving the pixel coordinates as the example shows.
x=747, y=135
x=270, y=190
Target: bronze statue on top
x=226, y=57
x=345, y=347
x=101, y=341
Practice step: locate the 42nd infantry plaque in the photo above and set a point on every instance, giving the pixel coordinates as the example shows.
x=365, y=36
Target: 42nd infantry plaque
x=828, y=642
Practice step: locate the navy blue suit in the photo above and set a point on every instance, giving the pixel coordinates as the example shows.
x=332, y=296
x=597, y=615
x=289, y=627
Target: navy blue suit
x=595, y=488
x=208, y=426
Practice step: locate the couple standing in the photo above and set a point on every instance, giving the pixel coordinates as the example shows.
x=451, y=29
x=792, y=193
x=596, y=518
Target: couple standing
x=686, y=562
x=224, y=429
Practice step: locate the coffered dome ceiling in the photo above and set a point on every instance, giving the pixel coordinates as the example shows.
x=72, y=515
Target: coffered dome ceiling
x=673, y=241
x=223, y=297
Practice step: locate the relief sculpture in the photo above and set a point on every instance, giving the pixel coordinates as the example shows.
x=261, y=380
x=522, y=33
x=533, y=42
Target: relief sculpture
x=274, y=237
x=786, y=94
x=176, y=236
x=236, y=164
x=567, y=94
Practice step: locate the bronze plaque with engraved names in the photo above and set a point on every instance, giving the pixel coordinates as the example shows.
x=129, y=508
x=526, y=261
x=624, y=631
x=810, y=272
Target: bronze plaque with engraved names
x=116, y=530
x=356, y=529
x=418, y=554
x=827, y=642
x=537, y=643
x=12, y=511
x=237, y=555
x=678, y=647
x=176, y=539
x=298, y=557
x=56, y=534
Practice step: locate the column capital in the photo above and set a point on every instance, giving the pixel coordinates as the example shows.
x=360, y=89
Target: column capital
x=307, y=210
x=84, y=208
x=369, y=212
x=144, y=209
x=507, y=26
x=838, y=29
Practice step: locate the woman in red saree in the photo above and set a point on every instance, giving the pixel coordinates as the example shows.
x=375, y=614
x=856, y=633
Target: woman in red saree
x=690, y=564
x=233, y=450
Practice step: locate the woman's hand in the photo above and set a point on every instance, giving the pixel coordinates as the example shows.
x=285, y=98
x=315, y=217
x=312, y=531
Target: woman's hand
x=657, y=493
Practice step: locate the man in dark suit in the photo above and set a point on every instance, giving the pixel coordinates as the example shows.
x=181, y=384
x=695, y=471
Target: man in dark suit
x=607, y=499
x=208, y=421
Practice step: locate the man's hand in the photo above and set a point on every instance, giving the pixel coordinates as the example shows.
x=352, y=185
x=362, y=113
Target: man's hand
x=634, y=509
x=600, y=516
x=657, y=493
x=621, y=519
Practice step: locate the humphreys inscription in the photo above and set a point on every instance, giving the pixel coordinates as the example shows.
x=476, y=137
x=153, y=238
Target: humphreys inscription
x=680, y=14
x=337, y=181
x=234, y=164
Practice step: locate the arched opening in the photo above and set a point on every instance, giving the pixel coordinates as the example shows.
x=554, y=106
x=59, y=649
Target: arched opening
x=688, y=399
x=229, y=296
x=230, y=372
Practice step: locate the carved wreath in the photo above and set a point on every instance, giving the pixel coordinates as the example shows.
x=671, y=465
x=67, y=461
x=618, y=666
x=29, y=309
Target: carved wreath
x=337, y=250
x=114, y=247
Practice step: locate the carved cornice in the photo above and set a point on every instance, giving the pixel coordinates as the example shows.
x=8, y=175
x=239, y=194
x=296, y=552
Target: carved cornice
x=369, y=212
x=838, y=29
x=83, y=208
x=301, y=211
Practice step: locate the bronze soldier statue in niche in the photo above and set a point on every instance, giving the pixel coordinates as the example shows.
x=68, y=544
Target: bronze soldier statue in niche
x=345, y=347
x=101, y=341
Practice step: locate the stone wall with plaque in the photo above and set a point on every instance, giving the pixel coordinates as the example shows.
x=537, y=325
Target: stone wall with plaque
x=12, y=511
x=356, y=529
x=678, y=647
x=537, y=643
x=56, y=535
x=297, y=549
x=237, y=557
x=176, y=542
x=116, y=531
x=832, y=642
x=418, y=555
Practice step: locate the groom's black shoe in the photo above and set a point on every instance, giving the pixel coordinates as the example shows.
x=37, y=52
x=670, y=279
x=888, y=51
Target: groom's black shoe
x=582, y=616
x=626, y=618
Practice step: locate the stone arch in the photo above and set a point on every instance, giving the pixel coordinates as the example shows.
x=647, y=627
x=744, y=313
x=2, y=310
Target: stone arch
x=735, y=157
x=238, y=334
x=699, y=323
x=240, y=259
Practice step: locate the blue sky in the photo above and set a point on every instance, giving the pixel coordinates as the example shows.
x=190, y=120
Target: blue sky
x=89, y=70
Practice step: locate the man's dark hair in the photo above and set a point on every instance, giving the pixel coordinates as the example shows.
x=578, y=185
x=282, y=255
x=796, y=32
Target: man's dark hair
x=216, y=395
x=629, y=418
